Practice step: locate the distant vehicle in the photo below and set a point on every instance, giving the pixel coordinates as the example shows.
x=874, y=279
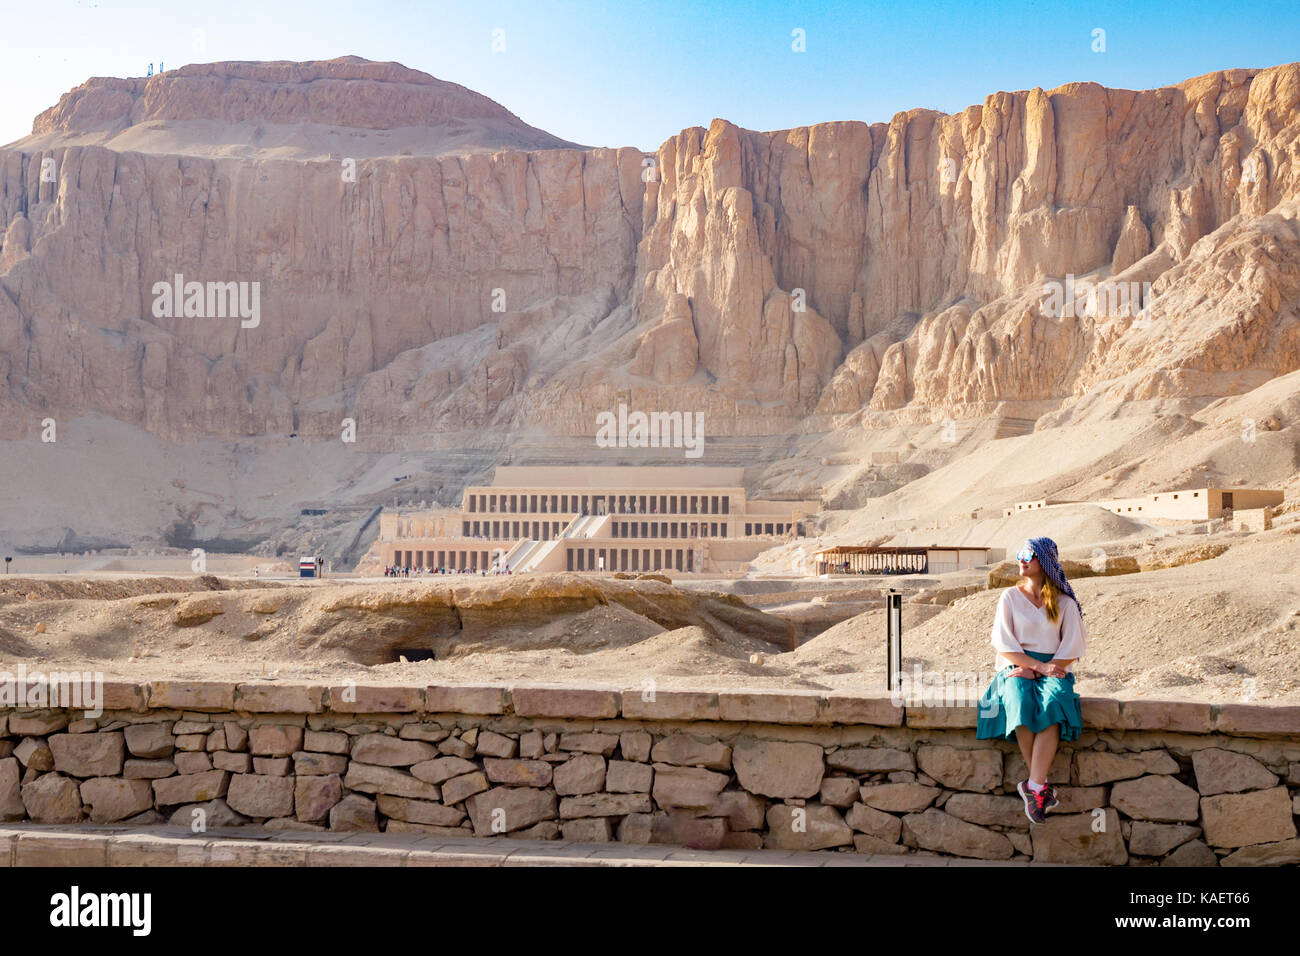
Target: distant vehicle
x=311, y=566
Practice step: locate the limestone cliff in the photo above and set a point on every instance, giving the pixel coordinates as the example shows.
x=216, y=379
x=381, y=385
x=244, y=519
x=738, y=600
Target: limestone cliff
x=760, y=277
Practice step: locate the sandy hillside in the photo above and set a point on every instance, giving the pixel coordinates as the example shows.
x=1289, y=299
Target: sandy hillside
x=1196, y=631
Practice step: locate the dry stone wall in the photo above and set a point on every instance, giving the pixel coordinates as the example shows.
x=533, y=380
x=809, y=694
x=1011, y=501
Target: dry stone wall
x=1148, y=782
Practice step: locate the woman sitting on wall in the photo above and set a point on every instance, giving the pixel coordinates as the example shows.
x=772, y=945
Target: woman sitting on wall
x=1038, y=633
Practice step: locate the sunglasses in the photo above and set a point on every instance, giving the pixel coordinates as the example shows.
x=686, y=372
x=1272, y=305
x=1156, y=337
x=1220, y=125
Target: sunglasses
x=1025, y=555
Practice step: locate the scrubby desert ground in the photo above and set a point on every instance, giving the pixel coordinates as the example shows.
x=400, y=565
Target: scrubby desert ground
x=1218, y=628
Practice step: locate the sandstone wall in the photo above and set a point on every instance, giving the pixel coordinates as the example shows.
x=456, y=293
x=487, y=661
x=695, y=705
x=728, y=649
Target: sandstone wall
x=1147, y=783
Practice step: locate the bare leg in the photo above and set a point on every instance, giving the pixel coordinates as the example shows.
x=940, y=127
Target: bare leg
x=1044, y=751
x=1025, y=737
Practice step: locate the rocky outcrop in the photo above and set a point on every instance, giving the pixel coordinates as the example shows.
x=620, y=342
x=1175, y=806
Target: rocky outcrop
x=757, y=277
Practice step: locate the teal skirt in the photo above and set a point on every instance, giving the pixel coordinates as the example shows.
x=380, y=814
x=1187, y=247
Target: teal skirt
x=1011, y=702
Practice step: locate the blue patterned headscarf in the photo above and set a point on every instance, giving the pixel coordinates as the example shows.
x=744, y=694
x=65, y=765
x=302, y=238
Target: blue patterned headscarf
x=1045, y=551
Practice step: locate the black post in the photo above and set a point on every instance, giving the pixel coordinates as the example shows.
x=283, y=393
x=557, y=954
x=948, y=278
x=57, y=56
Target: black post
x=893, y=637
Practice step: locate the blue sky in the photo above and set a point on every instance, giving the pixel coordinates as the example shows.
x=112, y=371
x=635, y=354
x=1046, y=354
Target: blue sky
x=634, y=73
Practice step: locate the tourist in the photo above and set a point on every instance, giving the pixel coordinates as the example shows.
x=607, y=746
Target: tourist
x=1038, y=633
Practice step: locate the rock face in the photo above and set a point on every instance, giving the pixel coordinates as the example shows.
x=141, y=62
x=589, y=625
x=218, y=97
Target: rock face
x=763, y=277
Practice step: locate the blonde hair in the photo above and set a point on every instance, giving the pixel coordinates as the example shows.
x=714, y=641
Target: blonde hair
x=1051, y=598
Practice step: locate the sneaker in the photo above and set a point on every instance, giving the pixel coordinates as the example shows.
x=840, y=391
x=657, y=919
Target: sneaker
x=1049, y=793
x=1033, y=802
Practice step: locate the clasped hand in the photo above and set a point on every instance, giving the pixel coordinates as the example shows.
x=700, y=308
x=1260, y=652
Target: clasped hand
x=1048, y=670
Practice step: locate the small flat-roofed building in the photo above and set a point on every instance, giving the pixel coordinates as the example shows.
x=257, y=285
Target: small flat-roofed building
x=1193, y=504
x=681, y=518
x=902, y=559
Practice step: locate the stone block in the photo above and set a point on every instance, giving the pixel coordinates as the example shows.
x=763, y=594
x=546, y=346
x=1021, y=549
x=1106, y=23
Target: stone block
x=492, y=744
x=634, y=745
x=216, y=741
x=465, y=699
x=428, y=732
x=52, y=798
x=236, y=737
x=373, y=699
x=183, y=727
x=671, y=705
x=1158, y=798
x=558, y=701
x=1225, y=771
x=88, y=755
x=519, y=773
x=235, y=763
x=315, y=796
x=692, y=750
x=11, y=798
x=150, y=741
x=845, y=708
x=420, y=811
x=275, y=740
x=625, y=776
x=1096, y=766
x=1171, y=715
x=368, y=778
x=192, y=762
x=190, y=788
x=811, y=827
x=190, y=695
x=685, y=830
x=530, y=745
x=741, y=809
x=1080, y=799
x=200, y=817
x=326, y=742
x=785, y=707
x=839, y=791
x=862, y=760
x=899, y=797
x=686, y=787
x=877, y=823
x=459, y=788
x=147, y=769
x=1192, y=853
x=979, y=770
x=272, y=766
x=776, y=768
x=986, y=809
x=34, y=754
x=1157, y=839
x=944, y=833
x=307, y=764
x=455, y=747
x=1283, y=853
x=1076, y=838
x=191, y=742
x=385, y=751
x=604, y=805
x=583, y=773
x=1262, y=720
x=865, y=843
x=354, y=812
x=109, y=799
x=589, y=743
x=443, y=768
x=1241, y=819
x=936, y=718
x=587, y=830
x=507, y=809
x=37, y=723
x=275, y=698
